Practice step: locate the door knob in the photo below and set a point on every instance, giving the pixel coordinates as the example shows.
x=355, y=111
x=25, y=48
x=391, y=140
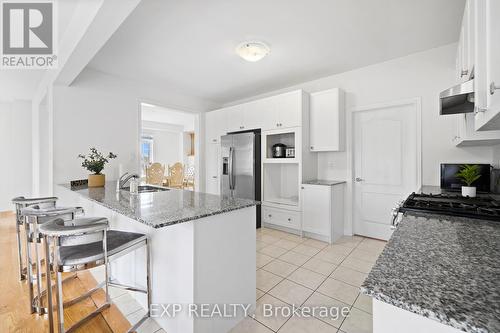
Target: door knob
x=359, y=179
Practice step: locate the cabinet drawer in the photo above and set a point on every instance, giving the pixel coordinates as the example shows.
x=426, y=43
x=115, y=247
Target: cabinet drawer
x=282, y=217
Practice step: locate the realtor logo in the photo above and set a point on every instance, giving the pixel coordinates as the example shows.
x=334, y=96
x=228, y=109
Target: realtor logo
x=28, y=35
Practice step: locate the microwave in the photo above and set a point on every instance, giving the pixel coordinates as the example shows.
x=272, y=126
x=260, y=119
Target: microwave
x=450, y=182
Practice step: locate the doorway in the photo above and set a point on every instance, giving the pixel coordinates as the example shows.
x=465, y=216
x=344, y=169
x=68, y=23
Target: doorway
x=168, y=147
x=386, y=163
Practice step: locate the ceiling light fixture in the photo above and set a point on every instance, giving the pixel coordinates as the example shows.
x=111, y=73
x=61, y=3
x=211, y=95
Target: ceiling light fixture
x=252, y=51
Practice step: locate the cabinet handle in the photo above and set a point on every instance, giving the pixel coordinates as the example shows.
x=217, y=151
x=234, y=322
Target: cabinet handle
x=242, y=127
x=281, y=124
x=289, y=220
x=312, y=147
x=277, y=125
x=215, y=177
x=493, y=87
x=464, y=72
x=269, y=215
x=302, y=187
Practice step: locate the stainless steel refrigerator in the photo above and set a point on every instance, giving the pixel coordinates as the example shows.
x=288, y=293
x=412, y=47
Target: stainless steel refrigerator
x=240, y=153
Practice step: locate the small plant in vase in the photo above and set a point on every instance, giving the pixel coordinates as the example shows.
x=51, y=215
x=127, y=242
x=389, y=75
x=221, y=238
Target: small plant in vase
x=95, y=162
x=469, y=174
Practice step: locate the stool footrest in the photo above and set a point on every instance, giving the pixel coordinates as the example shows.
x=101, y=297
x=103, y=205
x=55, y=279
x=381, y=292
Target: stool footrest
x=88, y=317
x=139, y=323
x=129, y=288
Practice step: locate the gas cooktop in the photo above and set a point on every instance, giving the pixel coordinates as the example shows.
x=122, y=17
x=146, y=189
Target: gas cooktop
x=484, y=207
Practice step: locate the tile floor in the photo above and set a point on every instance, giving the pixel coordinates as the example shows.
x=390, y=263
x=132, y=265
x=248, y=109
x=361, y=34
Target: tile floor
x=306, y=273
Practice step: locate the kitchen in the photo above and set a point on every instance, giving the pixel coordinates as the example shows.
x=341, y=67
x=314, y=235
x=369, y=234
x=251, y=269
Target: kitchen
x=311, y=145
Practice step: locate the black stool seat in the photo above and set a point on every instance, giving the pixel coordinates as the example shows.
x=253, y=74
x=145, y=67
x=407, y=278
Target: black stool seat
x=117, y=241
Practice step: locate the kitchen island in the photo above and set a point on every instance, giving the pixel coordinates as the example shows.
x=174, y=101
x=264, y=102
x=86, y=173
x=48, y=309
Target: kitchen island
x=202, y=250
x=437, y=273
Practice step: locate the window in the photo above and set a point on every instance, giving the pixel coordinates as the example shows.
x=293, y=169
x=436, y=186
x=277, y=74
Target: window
x=146, y=152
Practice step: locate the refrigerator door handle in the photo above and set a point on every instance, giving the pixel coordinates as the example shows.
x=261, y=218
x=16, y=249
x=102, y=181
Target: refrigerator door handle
x=230, y=167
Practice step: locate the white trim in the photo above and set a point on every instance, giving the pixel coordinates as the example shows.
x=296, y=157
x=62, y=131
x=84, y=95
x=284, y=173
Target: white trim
x=417, y=101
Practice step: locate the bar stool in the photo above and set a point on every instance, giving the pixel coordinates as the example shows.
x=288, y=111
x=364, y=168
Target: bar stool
x=82, y=244
x=34, y=216
x=20, y=203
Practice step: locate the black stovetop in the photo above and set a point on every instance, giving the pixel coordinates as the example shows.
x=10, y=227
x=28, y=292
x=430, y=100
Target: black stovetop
x=452, y=204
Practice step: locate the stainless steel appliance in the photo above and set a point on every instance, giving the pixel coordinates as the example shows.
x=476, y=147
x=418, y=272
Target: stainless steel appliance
x=457, y=99
x=240, y=153
x=290, y=152
x=279, y=150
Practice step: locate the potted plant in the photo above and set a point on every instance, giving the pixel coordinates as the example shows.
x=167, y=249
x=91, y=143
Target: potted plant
x=95, y=162
x=469, y=174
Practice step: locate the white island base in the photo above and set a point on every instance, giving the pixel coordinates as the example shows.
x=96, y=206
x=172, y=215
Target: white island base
x=210, y=260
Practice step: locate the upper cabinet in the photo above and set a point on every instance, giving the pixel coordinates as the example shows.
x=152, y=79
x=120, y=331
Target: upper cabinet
x=465, y=52
x=327, y=118
x=215, y=125
x=487, y=68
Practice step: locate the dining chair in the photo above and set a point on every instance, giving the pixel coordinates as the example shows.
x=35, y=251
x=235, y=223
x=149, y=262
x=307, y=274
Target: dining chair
x=176, y=175
x=155, y=174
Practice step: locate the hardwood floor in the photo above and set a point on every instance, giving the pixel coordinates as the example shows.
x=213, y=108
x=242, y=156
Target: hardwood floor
x=14, y=302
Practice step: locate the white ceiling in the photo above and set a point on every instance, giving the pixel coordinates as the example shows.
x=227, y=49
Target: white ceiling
x=190, y=44
x=22, y=84
x=160, y=114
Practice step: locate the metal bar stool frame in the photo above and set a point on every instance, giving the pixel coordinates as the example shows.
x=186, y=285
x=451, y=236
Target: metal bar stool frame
x=70, y=235
x=32, y=220
x=20, y=203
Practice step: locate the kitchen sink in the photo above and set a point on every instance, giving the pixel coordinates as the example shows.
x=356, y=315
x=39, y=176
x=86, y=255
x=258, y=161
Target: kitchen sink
x=147, y=189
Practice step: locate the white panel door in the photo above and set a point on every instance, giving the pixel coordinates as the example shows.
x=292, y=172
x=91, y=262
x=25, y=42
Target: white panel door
x=386, y=157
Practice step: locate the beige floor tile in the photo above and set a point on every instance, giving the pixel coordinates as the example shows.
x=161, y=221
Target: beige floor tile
x=294, y=238
x=263, y=259
x=337, y=310
x=291, y=292
x=337, y=289
x=358, y=265
x=259, y=293
x=273, y=251
x=269, y=239
x=260, y=244
x=307, y=278
x=266, y=280
x=281, y=268
x=249, y=325
x=320, y=266
x=306, y=250
x=330, y=256
x=286, y=244
x=294, y=258
x=298, y=324
x=127, y=304
x=364, y=303
x=339, y=249
x=368, y=244
x=349, y=241
x=315, y=243
x=371, y=256
x=358, y=322
x=349, y=276
x=278, y=317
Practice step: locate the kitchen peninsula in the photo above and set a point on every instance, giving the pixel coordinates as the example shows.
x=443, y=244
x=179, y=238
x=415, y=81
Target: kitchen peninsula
x=202, y=248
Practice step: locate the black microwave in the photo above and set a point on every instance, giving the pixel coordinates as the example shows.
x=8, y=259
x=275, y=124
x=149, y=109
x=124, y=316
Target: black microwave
x=450, y=182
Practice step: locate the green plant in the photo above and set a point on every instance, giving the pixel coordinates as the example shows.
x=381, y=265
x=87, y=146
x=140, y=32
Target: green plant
x=95, y=161
x=469, y=173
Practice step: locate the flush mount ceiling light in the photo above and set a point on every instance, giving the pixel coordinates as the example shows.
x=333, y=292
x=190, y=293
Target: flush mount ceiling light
x=252, y=51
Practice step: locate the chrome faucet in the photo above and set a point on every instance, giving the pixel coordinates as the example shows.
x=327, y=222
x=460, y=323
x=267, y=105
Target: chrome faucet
x=124, y=179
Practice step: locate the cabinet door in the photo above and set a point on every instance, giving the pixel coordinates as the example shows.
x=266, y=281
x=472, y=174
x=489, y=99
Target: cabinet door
x=215, y=125
x=268, y=113
x=252, y=115
x=289, y=109
x=212, y=169
x=326, y=132
x=488, y=118
x=235, y=117
x=316, y=208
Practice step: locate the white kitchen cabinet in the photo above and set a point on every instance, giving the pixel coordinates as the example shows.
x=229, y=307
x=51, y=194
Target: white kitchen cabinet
x=465, y=50
x=467, y=136
x=323, y=211
x=487, y=80
x=216, y=125
x=235, y=118
x=283, y=111
x=280, y=217
x=212, y=184
x=327, y=121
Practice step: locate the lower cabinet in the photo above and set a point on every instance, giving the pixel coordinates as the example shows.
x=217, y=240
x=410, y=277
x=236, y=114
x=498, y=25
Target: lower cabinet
x=323, y=211
x=281, y=217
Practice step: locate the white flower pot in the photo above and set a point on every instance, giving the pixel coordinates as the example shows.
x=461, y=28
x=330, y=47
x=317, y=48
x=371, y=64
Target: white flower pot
x=468, y=191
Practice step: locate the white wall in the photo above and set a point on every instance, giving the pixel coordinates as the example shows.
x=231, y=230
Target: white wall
x=15, y=149
x=424, y=75
x=103, y=111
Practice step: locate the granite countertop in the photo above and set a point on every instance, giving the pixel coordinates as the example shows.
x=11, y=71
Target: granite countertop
x=444, y=268
x=324, y=182
x=161, y=209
